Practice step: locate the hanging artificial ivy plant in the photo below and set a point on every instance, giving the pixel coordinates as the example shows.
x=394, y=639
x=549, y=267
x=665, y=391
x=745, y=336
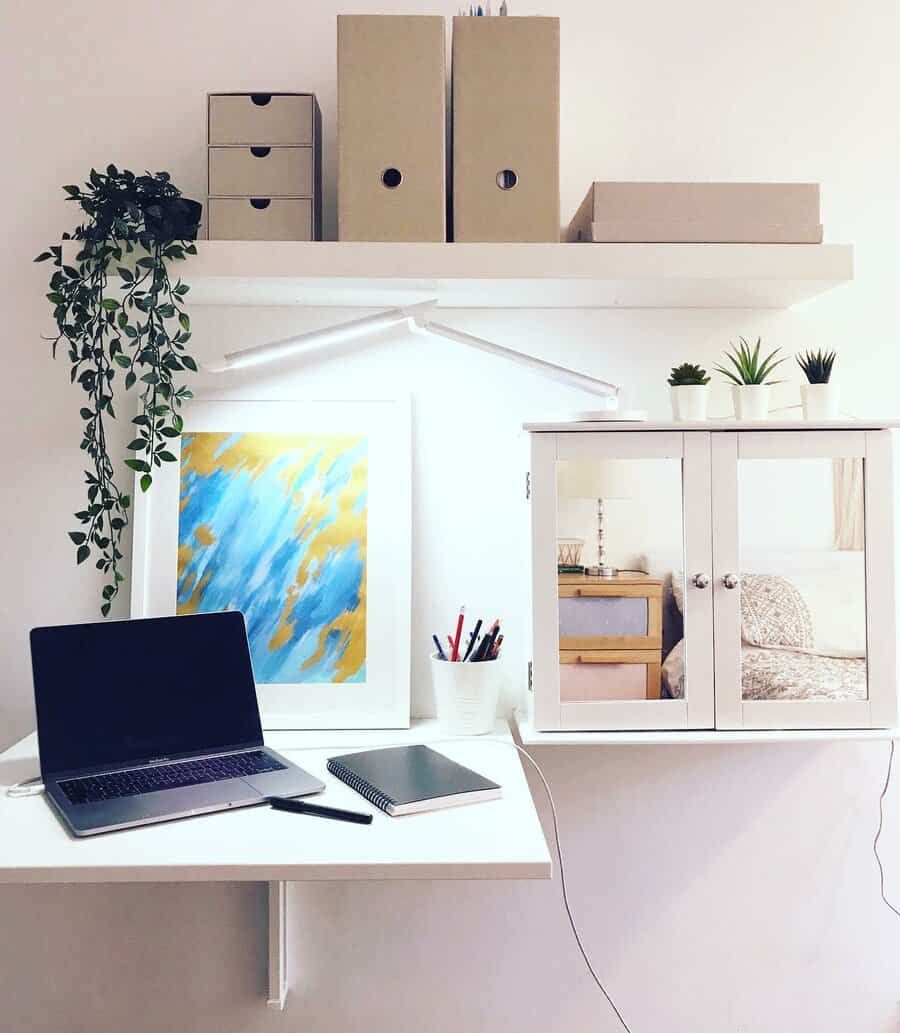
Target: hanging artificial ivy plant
x=136, y=330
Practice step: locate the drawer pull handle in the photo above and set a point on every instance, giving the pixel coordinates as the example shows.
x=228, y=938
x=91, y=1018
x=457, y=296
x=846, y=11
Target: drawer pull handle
x=260, y=203
x=730, y=580
x=260, y=152
x=260, y=99
x=700, y=581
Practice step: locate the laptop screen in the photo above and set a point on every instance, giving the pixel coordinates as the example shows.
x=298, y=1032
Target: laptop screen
x=128, y=691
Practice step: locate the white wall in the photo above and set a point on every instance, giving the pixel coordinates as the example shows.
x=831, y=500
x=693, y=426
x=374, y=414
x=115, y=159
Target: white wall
x=719, y=888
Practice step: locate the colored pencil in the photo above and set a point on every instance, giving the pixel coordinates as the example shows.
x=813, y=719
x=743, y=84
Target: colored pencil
x=440, y=652
x=454, y=656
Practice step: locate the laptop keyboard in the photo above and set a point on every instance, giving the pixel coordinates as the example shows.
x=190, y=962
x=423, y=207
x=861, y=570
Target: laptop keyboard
x=112, y=786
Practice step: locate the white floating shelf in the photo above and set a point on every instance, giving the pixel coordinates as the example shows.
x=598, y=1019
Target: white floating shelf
x=695, y=737
x=513, y=275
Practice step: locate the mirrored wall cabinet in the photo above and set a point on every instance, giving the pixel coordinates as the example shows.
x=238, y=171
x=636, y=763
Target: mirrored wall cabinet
x=713, y=576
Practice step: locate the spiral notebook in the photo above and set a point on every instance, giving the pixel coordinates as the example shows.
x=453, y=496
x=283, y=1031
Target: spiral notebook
x=409, y=779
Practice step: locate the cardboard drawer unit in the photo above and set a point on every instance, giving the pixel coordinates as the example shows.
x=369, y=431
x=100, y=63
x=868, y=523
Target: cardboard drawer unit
x=699, y=213
x=506, y=129
x=260, y=218
x=262, y=118
x=266, y=171
x=265, y=166
x=391, y=127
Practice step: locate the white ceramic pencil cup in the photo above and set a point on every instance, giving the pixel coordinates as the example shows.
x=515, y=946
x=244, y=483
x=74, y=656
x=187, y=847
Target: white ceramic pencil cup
x=466, y=694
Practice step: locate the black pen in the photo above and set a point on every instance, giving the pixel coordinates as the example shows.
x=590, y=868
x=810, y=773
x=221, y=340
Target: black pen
x=283, y=803
x=473, y=639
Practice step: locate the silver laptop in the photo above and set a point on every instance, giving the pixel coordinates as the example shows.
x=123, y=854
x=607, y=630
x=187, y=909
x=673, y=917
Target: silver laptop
x=145, y=720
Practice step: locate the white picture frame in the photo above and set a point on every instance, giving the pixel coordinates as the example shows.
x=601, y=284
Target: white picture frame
x=382, y=699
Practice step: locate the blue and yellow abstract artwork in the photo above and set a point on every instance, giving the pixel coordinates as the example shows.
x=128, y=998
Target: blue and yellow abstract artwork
x=275, y=525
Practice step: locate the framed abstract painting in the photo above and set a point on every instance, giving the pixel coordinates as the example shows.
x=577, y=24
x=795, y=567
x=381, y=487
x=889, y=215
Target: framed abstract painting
x=298, y=514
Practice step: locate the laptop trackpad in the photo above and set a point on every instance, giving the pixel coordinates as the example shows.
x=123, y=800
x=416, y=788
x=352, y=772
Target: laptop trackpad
x=292, y=781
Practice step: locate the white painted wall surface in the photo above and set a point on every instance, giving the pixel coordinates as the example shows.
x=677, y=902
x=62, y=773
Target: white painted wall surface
x=720, y=888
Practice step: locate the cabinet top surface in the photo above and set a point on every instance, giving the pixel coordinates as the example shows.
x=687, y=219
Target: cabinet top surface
x=605, y=426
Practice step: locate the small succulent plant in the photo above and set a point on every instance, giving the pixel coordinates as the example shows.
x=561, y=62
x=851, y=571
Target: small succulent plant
x=817, y=365
x=750, y=369
x=688, y=373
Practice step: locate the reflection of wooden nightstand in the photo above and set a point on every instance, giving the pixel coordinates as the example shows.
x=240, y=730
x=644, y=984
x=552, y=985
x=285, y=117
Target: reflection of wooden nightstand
x=610, y=621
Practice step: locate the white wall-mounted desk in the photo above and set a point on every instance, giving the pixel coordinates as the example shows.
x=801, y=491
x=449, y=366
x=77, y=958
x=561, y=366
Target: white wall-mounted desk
x=500, y=839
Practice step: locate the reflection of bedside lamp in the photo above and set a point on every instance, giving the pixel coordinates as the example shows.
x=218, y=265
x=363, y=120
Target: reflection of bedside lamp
x=600, y=479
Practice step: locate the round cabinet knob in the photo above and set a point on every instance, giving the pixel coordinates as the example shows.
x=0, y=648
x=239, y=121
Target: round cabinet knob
x=700, y=581
x=730, y=580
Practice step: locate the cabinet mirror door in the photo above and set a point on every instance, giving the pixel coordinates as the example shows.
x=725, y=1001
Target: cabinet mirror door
x=795, y=589
x=617, y=630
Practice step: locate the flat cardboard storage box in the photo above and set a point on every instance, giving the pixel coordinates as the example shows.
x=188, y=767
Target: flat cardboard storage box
x=261, y=118
x=506, y=129
x=391, y=127
x=253, y=218
x=699, y=213
x=261, y=171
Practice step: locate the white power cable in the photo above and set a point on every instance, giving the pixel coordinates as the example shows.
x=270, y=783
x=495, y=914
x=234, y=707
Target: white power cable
x=887, y=783
x=29, y=787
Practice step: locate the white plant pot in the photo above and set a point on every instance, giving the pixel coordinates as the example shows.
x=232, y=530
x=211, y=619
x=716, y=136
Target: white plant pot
x=689, y=402
x=820, y=401
x=751, y=401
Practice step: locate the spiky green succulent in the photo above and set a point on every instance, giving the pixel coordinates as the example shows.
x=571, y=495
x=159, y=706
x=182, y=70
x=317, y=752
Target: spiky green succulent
x=817, y=365
x=688, y=373
x=749, y=367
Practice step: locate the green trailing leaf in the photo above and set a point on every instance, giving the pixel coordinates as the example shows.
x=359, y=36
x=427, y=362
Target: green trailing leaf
x=124, y=213
x=688, y=374
x=817, y=365
x=747, y=367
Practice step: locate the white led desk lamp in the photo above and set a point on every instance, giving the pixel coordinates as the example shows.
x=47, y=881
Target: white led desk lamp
x=415, y=317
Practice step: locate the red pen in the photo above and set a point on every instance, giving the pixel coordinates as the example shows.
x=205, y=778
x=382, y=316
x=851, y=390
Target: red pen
x=454, y=656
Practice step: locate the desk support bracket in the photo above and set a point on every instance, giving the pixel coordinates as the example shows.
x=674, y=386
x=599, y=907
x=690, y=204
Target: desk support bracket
x=278, y=967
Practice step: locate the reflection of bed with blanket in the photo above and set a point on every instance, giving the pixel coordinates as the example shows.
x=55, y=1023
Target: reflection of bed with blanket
x=803, y=626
